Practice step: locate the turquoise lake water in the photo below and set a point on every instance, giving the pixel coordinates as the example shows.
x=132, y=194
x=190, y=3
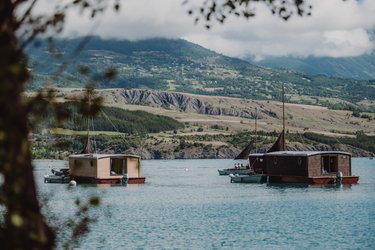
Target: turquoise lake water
x=185, y=204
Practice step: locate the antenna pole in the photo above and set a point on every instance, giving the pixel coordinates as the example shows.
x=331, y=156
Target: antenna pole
x=88, y=119
x=256, y=133
x=283, y=98
x=88, y=145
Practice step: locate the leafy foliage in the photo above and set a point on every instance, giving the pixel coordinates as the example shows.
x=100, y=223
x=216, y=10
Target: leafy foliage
x=22, y=225
x=218, y=10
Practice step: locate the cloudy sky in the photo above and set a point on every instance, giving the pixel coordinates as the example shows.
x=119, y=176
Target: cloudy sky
x=336, y=28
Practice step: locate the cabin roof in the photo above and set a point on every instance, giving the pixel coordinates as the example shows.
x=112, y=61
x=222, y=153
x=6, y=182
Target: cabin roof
x=257, y=154
x=100, y=156
x=306, y=153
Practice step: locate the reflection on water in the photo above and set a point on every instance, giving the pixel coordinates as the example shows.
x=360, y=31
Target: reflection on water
x=198, y=209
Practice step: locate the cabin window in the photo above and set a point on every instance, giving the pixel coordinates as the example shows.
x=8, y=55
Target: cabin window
x=329, y=164
x=118, y=166
x=91, y=163
x=275, y=160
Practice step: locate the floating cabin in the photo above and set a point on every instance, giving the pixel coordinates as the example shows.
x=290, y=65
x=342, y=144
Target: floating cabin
x=105, y=168
x=314, y=167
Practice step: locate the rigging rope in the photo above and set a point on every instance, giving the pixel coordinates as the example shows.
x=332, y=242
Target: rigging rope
x=93, y=134
x=105, y=115
x=337, y=140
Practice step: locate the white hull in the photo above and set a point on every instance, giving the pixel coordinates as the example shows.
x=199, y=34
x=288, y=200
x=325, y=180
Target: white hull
x=255, y=178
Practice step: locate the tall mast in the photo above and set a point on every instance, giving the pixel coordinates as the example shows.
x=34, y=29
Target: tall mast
x=283, y=98
x=256, y=134
x=88, y=147
x=88, y=118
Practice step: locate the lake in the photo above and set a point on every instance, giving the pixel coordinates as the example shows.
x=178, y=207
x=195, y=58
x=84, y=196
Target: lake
x=185, y=204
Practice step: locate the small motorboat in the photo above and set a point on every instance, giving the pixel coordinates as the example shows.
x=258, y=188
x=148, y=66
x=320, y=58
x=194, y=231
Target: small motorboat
x=229, y=171
x=58, y=176
x=237, y=169
x=249, y=178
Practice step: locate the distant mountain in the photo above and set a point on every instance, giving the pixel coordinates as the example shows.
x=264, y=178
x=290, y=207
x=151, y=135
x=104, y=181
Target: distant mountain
x=360, y=67
x=178, y=65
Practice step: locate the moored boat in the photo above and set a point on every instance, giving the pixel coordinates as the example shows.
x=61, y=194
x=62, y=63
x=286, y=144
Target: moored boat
x=250, y=178
x=58, y=176
x=90, y=167
x=312, y=167
x=106, y=168
x=236, y=170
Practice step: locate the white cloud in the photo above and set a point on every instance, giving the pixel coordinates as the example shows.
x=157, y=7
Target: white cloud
x=139, y=19
x=340, y=43
x=336, y=28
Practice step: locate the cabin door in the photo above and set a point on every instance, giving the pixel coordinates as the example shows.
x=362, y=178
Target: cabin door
x=329, y=164
x=118, y=166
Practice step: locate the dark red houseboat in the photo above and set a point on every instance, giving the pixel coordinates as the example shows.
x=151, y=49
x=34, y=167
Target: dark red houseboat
x=315, y=167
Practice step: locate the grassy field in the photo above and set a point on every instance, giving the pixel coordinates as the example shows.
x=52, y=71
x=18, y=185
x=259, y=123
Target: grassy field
x=210, y=136
x=299, y=118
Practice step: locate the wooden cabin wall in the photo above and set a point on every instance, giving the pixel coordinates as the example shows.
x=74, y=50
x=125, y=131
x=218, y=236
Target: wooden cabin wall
x=315, y=165
x=258, y=163
x=344, y=164
x=286, y=165
x=133, y=167
x=83, y=167
x=104, y=168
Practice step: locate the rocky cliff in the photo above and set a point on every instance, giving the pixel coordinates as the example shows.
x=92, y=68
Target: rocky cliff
x=185, y=103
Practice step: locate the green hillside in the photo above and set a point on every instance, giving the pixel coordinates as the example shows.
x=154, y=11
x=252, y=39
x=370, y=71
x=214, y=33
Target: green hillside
x=179, y=65
x=113, y=119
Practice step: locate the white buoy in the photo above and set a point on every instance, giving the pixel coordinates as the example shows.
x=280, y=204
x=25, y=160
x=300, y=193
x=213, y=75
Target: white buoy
x=72, y=183
x=186, y=169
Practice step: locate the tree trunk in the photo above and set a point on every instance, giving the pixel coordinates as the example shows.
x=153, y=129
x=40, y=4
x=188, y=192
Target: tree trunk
x=23, y=226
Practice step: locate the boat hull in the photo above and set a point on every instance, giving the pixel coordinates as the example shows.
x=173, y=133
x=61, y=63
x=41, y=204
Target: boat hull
x=235, y=171
x=134, y=180
x=137, y=180
x=256, y=178
x=312, y=180
x=56, y=179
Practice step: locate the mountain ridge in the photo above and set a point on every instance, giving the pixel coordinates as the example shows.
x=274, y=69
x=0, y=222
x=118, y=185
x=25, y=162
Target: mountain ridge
x=358, y=67
x=178, y=65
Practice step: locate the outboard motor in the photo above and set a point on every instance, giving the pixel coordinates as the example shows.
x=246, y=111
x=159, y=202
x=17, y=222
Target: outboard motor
x=125, y=179
x=339, y=176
